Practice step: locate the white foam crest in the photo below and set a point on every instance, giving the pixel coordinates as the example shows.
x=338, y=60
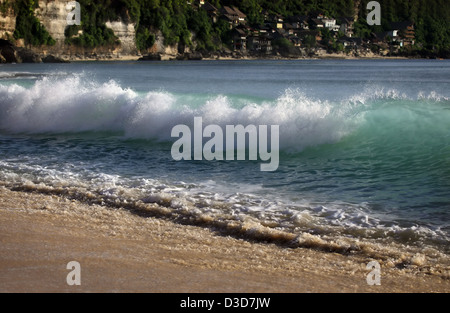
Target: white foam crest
x=69, y=105
x=433, y=96
x=150, y=116
x=303, y=122
x=372, y=93
x=75, y=104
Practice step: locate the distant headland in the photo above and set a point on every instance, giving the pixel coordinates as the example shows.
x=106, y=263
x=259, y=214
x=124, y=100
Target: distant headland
x=39, y=31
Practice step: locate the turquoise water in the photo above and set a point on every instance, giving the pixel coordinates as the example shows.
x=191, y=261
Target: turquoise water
x=364, y=144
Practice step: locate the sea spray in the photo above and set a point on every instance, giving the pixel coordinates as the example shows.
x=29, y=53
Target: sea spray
x=75, y=105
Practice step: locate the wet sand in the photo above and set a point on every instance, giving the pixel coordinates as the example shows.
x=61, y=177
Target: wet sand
x=119, y=251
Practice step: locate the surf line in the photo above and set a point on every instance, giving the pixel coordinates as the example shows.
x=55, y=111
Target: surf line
x=235, y=143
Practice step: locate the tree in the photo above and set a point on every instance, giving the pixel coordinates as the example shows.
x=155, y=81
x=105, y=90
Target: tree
x=176, y=19
x=28, y=25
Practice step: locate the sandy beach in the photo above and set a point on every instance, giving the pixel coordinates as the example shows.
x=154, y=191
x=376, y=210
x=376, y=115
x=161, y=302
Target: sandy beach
x=121, y=252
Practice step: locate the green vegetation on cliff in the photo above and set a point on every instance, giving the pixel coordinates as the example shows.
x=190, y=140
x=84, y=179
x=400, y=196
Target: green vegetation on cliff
x=93, y=32
x=4, y=7
x=28, y=25
x=431, y=17
x=176, y=19
x=182, y=22
x=431, y=21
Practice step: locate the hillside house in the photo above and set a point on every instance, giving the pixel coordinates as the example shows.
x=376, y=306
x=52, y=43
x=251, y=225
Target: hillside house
x=233, y=16
x=211, y=10
x=275, y=20
x=317, y=23
x=298, y=22
x=295, y=40
x=239, y=39
x=350, y=41
x=346, y=26
x=403, y=33
x=261, y=43
x=330, y=23
x=289, y=28
x=241, y=16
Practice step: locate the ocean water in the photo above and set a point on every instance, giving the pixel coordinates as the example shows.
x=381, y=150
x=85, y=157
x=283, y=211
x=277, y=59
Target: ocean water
x=364, y=144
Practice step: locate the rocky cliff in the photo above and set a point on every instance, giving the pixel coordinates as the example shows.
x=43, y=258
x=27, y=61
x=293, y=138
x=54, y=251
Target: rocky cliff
x=7, y=22
x=52, y=14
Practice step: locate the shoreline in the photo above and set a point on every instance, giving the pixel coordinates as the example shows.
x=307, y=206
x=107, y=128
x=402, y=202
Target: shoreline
x=173, y=58
x=123, y=252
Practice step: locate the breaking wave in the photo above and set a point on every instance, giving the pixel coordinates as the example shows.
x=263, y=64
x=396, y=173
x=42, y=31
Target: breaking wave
x=74, y=105
x=383, y=131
